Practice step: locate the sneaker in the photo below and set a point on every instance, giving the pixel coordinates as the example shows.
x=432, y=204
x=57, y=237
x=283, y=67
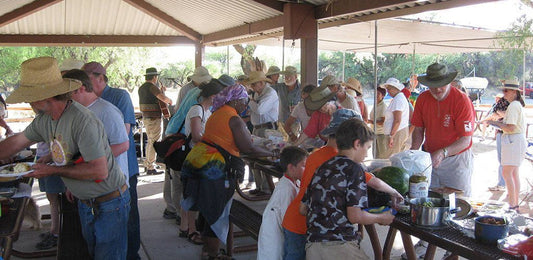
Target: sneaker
x=47, y=243
x=153, y=172
x=420, y=250
x=497, y=188
x=169, y=215
x=178, y=220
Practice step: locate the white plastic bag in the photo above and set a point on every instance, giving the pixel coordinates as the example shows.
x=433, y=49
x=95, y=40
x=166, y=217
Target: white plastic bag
x=414, y=162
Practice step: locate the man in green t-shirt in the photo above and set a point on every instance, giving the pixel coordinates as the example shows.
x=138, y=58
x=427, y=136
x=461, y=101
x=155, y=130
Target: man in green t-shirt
x=80, y=153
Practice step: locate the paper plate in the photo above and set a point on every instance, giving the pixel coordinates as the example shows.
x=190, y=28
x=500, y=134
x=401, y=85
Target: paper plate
x=12, y=174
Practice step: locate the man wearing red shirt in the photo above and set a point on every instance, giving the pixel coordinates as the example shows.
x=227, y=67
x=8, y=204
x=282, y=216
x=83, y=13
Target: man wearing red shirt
x=444, y=125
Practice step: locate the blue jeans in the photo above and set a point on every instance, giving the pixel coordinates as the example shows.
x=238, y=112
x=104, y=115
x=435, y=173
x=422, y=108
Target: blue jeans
x=106, y=231
x=134, y=232
x=294, y=245
x=501, y=181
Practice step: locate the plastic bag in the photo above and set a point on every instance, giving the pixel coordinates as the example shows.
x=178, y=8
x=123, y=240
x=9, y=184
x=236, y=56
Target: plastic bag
x=414, y=162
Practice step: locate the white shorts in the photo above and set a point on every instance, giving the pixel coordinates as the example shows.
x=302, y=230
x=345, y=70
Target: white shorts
x=513, y=149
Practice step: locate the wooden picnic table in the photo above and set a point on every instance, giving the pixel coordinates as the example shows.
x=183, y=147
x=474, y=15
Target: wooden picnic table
x=268, y=167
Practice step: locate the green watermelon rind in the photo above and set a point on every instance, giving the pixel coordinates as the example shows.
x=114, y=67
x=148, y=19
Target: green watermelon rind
x=395, y=177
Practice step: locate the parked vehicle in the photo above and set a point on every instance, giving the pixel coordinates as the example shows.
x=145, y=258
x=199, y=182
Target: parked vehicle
x=475, y=86
x=528, y=92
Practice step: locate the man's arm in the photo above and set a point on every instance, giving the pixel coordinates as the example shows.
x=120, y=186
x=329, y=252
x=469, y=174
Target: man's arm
x=118, y=149
x=418, y=137
x=91, y=170
x=13, y=144
x=164, y=98
x=453, y=149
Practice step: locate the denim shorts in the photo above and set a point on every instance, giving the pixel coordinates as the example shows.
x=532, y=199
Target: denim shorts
x=51, y=184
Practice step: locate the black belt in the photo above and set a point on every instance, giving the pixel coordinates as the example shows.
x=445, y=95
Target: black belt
x=269, y=125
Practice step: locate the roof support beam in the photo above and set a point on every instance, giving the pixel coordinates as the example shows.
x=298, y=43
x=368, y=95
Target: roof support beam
x=349, y=6
x=274, y=4
x=165, y=18
x=26, y=10
x=343, y=7
x=92, y=40
x=249, y=28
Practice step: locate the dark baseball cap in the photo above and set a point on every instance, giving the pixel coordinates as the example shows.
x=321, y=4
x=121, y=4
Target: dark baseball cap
x=94, y=67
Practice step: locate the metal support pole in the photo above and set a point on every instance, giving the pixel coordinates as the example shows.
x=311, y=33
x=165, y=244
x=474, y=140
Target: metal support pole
x=343, y=65
x=227, y=60
x=524, y=70
x=375, y=77
x=413, y=60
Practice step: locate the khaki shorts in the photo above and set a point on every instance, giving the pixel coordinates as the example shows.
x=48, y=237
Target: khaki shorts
x=334, y=250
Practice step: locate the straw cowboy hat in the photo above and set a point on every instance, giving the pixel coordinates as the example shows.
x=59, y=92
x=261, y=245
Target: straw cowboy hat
x=40, y=79
x=321, y=95
x=394, y=83
x=201, y=75
x=350, y=92
x=437, y=75
x=289, y=70
x=511, y=84
x=151, y=72
x=354, y=84
x=256, y=76
x=273, y=70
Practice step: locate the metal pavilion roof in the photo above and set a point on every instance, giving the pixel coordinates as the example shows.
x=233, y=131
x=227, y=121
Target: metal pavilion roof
x=217, y=22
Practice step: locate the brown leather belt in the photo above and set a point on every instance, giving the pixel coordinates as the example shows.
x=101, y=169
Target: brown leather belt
x=269, y=125
x=106, y=197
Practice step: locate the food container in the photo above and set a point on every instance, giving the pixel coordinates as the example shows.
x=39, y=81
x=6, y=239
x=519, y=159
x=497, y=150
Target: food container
x=9, y=182
x=488, y=229
x=422, y=214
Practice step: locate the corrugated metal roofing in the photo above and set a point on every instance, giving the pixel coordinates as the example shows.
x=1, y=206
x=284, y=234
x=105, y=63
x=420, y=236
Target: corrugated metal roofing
x=10, y=5
x=207, y=16
x=95, y=17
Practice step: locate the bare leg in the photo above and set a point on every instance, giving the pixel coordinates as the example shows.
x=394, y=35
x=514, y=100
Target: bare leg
x=510, y=174
x=184, y=225
x=54, y=212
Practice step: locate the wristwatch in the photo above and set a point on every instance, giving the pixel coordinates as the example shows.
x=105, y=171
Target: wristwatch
x=445, y=152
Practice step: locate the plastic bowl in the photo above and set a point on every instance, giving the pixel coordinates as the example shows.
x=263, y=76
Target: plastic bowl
x=490, y=233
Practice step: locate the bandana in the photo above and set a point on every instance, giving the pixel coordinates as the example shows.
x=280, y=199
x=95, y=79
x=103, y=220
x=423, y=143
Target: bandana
x=228, y=94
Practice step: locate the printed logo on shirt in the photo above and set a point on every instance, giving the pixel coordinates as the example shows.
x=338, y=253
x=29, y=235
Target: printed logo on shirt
x=468, y=126
x=447, y=120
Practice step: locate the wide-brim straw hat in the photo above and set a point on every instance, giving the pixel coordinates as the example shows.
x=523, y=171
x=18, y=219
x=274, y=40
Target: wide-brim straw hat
x=321, y=95
x=511, y=84
x=273, y=70
x=393, y=82
x=40, y=78
x=256, y=76
x=289, y=70
x=201, y=75
x=354, y=84
x=437, y=75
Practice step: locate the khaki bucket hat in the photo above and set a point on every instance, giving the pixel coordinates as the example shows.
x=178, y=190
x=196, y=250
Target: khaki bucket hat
x=40, y=79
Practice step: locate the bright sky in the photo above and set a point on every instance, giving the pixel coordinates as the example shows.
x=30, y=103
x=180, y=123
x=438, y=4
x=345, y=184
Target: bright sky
x=497, y=15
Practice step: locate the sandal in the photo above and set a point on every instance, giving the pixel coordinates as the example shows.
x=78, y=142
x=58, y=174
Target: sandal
x=195, y=238
x=221, y=256
x=497, y=188
x=515, y=208
x=183, y=233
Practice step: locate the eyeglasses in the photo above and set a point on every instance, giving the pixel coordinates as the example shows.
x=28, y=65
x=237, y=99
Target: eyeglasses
x=505, y=90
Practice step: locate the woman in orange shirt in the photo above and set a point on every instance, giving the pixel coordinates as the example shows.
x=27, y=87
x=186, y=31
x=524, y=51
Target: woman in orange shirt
x=208, y=183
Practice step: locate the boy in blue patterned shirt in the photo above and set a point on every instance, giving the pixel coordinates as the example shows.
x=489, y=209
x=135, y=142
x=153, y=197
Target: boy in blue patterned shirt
x=334, y=200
